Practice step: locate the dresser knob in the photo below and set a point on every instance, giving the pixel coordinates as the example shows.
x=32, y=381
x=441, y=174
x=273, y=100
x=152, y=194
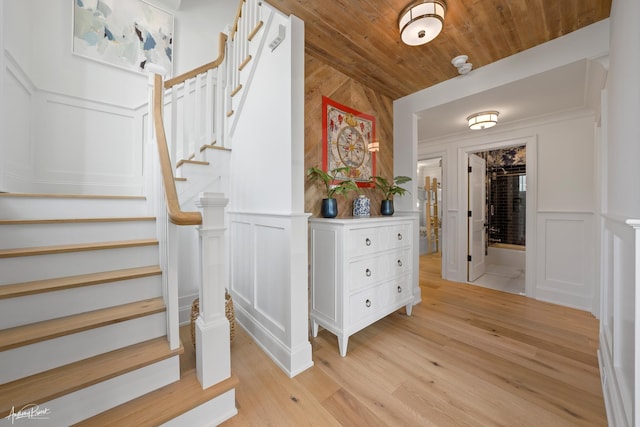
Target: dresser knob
x=399, y=289
x=368, y=242
x=399, y=236
x=367, y=303
x=399, y=263
x=367, y=272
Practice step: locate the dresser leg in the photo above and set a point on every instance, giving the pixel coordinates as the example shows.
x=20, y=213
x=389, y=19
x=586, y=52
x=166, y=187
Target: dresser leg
x=343, y=341
x=409, y=307
x=314, y=328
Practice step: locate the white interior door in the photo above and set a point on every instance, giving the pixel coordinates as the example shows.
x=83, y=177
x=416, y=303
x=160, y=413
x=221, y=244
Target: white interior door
x=476, y=224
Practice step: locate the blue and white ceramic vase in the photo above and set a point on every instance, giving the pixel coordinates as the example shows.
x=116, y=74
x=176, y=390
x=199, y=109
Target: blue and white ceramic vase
x=362, y=206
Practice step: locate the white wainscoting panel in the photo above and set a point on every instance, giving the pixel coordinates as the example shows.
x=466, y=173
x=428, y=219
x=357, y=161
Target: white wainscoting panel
x=269, y=284
x=63, y=144
x=450, y=236
x=617, y=356
x=272, y=279
x=565, y=261
x=16, y=136
x=85, y=147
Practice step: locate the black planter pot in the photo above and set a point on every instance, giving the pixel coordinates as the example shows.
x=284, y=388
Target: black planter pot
x=386, y=208
x=329, y=208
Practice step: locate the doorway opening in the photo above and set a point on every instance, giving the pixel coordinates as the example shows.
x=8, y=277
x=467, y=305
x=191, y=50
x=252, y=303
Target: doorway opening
x=497, y=219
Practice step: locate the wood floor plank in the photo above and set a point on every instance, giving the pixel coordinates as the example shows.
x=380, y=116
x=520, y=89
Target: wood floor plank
x=468, y=356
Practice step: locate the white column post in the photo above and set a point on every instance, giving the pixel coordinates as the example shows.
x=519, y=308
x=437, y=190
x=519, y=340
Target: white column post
x=213, y=344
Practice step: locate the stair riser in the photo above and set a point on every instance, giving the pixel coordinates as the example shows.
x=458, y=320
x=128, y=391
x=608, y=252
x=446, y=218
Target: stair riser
x=50, y=305
x=38, y=357
x=55, y=207
x=28, y=235
x=39, y=267
x=85, y=403
x=212, y=413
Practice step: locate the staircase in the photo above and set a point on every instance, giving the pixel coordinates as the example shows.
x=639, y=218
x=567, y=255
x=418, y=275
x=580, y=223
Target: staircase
x=83, y=323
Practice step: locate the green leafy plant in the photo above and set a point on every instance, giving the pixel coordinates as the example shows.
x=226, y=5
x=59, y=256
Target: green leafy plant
x=390, y=188
x=332, y=185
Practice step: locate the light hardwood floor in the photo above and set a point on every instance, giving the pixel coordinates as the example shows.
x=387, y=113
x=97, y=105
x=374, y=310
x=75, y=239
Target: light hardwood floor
x=468, y=356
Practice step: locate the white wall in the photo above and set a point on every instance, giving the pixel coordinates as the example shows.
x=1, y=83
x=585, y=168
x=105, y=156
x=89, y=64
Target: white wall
x=619, y=334
x=267, y=221
x=89, y=115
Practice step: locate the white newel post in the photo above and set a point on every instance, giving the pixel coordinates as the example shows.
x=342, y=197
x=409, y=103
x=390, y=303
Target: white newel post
x=213, y=355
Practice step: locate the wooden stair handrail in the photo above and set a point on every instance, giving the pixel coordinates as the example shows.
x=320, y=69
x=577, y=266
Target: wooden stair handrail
x=203, y=68
x=176, y=215
x=234, y=28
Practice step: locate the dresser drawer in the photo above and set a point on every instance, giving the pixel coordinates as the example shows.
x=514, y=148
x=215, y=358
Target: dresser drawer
x=368, y=271
x=363, y=241
x=395, y=236
x=400, y=290
x=367, y=303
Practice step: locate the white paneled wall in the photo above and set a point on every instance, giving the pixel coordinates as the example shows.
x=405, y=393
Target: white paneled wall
x=617, y=352
x=269, y=285
x=565, y=254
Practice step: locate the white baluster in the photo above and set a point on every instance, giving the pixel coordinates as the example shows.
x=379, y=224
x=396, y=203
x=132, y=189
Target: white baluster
x=198, y=133
x=173, y=143
x=210, y=107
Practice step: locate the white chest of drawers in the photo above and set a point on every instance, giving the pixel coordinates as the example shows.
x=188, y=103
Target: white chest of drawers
x=361, y=271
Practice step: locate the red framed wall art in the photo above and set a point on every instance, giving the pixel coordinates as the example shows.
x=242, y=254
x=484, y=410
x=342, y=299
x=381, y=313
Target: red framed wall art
x=346, y=135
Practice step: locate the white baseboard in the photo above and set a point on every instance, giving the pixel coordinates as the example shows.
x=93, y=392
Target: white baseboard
x=613, y=399
x=291, y=361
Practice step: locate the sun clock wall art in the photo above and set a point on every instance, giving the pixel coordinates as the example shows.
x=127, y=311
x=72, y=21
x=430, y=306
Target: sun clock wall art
x=347, y=134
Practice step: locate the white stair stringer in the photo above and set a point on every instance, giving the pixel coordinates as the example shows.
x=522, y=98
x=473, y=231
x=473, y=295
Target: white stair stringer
x=42, y=356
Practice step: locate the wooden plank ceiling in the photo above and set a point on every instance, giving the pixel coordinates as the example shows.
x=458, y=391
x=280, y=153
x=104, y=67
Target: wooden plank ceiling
x=360, y=38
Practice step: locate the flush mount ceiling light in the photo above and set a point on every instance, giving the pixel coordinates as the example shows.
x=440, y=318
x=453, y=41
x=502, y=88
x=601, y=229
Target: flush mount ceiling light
x=422, y=21
x=483, y=120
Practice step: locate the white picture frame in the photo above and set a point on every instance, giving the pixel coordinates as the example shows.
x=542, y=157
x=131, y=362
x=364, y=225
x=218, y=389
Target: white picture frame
x=129, y=34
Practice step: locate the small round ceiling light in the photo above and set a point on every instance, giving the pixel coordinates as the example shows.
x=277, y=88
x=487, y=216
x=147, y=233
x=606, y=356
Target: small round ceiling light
x=421, y=21
x=483, y=120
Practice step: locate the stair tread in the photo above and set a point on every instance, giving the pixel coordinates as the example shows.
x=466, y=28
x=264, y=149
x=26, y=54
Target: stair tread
x=57, y=382
x=75, y=220
x=192, y=162
x=174, y=399
x=75, y=247
x=60, y=283
x=49, y=329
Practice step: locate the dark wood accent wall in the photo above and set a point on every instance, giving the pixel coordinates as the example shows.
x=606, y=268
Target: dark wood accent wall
x=323, y=80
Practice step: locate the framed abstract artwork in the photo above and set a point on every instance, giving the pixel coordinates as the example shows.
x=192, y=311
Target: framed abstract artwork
x=346, y=135
x=129, y=34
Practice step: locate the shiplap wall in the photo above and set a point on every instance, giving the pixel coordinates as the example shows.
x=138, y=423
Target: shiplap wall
x=323, y=80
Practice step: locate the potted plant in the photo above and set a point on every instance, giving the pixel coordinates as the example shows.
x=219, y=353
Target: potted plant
x=333, y=187
x=389, y=189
